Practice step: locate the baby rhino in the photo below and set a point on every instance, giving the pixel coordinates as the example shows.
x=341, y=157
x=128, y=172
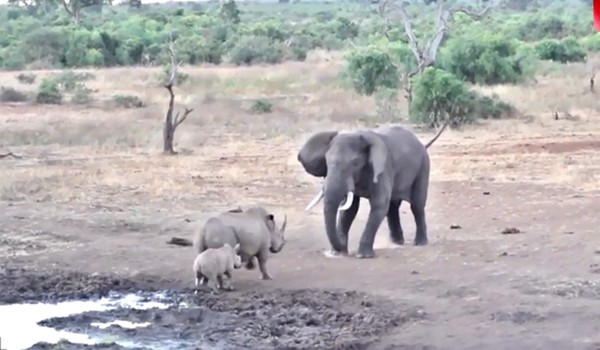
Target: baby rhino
x=214, y=263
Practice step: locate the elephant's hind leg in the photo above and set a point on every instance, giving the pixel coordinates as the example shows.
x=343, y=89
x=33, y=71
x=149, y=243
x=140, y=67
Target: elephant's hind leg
x=419, y=214
x=393, y=219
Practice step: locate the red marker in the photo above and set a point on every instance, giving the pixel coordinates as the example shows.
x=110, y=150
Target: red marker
x=596, y=10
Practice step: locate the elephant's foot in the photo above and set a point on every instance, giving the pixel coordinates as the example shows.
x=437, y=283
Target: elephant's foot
x=266, y=276
x=331, y=254
x=397, y=241
x=365, y=253
x=421, y=241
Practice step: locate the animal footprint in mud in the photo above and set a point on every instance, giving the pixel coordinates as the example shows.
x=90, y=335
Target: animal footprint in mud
x=510, y=231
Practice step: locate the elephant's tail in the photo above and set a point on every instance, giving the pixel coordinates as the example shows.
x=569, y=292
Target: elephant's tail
x=436, y=136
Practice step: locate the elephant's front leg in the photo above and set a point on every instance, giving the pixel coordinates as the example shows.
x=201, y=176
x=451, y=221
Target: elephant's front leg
x=393, y=219
x=345, y=219
x=379, y=208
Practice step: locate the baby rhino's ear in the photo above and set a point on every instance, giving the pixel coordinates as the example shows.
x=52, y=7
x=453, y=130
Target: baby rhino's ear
x=237, y=248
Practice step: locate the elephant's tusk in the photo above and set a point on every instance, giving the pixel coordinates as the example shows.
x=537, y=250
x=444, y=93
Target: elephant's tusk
x=315, y=200
x=348, y=203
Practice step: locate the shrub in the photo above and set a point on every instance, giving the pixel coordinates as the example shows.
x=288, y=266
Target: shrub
x=257, y=49
x=9, y=94
x=591, y=43
x=128, y=101
x=180, y=77
x=261, y=106
x=370, y=69
x=565, y=50
x=82, y=95
x=486, y=59
x=69, y=80
x=49, y=93
x=439, y=96
x=26, y=78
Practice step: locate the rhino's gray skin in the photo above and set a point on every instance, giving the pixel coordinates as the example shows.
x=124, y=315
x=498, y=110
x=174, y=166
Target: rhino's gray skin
x=213, y=264
x=254, y=229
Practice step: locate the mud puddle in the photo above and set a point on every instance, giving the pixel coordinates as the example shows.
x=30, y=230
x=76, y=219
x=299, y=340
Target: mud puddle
x=123, y=317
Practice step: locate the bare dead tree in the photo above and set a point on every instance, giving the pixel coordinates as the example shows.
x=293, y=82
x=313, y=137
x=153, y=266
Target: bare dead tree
x=10, y=154
x=171, y=123
x=425, y=55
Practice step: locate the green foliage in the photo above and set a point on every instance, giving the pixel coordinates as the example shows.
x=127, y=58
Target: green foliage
x=128, y=101
x=49, y=92
x=370, y=69
x=69, y=80
x=565, y=50
x=591, y=43
x=492, y=59
x=82, y=95
x=9, y=94
x=26, y=78
x=230, y=12
x=439, y=97
x=261, y=106
x=257, y=49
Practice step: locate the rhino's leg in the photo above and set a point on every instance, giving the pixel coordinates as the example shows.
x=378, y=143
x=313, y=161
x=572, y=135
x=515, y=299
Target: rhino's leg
x=227, y=285
x=213, y=284
x=262, y=264
x=220, y=281
x=196, y=285
x=250, y=263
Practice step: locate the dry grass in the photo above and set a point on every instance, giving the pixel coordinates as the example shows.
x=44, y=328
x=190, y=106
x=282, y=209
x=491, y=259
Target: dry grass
x=111, y=155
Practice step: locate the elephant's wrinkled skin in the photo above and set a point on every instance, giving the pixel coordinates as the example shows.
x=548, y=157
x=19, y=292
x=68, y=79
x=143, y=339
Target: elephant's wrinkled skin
x=387, y=165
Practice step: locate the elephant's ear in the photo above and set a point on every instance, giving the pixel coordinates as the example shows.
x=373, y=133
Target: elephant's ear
x=377, y=153
x=312, y=154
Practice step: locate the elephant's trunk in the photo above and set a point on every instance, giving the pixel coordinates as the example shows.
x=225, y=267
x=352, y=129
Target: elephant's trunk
x=334, y=193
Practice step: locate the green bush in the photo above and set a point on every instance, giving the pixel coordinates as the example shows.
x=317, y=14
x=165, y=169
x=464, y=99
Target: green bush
x=486, y=59
x=439, y=97
x=565, y=50
x=261, y=106
x=591, y=43
x=370, y=69
x=82, y=95
x=257, y=49
x=9, y=94
x=26, y=78
x=128, y=101
x=49, y=92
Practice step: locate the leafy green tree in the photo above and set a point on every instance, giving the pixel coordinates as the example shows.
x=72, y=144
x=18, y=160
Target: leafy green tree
x=230, y=12
x=370, y=69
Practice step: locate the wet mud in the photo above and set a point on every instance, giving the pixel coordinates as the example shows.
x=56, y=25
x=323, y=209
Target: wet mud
x=279, y=319
x=21, y=285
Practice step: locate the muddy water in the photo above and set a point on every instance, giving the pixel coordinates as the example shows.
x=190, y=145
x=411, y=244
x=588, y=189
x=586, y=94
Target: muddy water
x=19, y=319
x=128, y=314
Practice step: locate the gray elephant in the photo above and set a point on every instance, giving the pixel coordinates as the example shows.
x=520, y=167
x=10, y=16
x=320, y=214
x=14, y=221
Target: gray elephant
x=254, y=229
x=387, y=165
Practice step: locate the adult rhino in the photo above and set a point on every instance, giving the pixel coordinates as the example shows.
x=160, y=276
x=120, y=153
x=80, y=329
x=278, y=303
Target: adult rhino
x=254, y=229
x=386, y=165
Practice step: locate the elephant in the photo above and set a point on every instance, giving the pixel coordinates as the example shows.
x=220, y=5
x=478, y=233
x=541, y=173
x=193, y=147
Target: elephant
x=387, y=165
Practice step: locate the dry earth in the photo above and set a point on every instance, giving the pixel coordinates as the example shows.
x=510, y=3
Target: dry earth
x=92, y=194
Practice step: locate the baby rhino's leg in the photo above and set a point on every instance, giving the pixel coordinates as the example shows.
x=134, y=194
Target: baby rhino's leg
x=213, y=284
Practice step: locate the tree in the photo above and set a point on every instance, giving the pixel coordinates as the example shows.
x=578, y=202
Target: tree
x=74, y=7
x=425, y=55
x=171, y=123
x=229, y=12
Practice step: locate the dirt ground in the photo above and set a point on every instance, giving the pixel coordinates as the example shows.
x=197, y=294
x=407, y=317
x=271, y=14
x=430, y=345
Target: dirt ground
x=100, y=215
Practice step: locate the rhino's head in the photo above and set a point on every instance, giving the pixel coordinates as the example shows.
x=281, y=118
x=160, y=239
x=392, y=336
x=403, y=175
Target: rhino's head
x=277, y=233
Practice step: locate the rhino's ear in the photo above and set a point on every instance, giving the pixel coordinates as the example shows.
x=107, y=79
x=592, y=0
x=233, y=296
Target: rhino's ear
x=237, y=248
